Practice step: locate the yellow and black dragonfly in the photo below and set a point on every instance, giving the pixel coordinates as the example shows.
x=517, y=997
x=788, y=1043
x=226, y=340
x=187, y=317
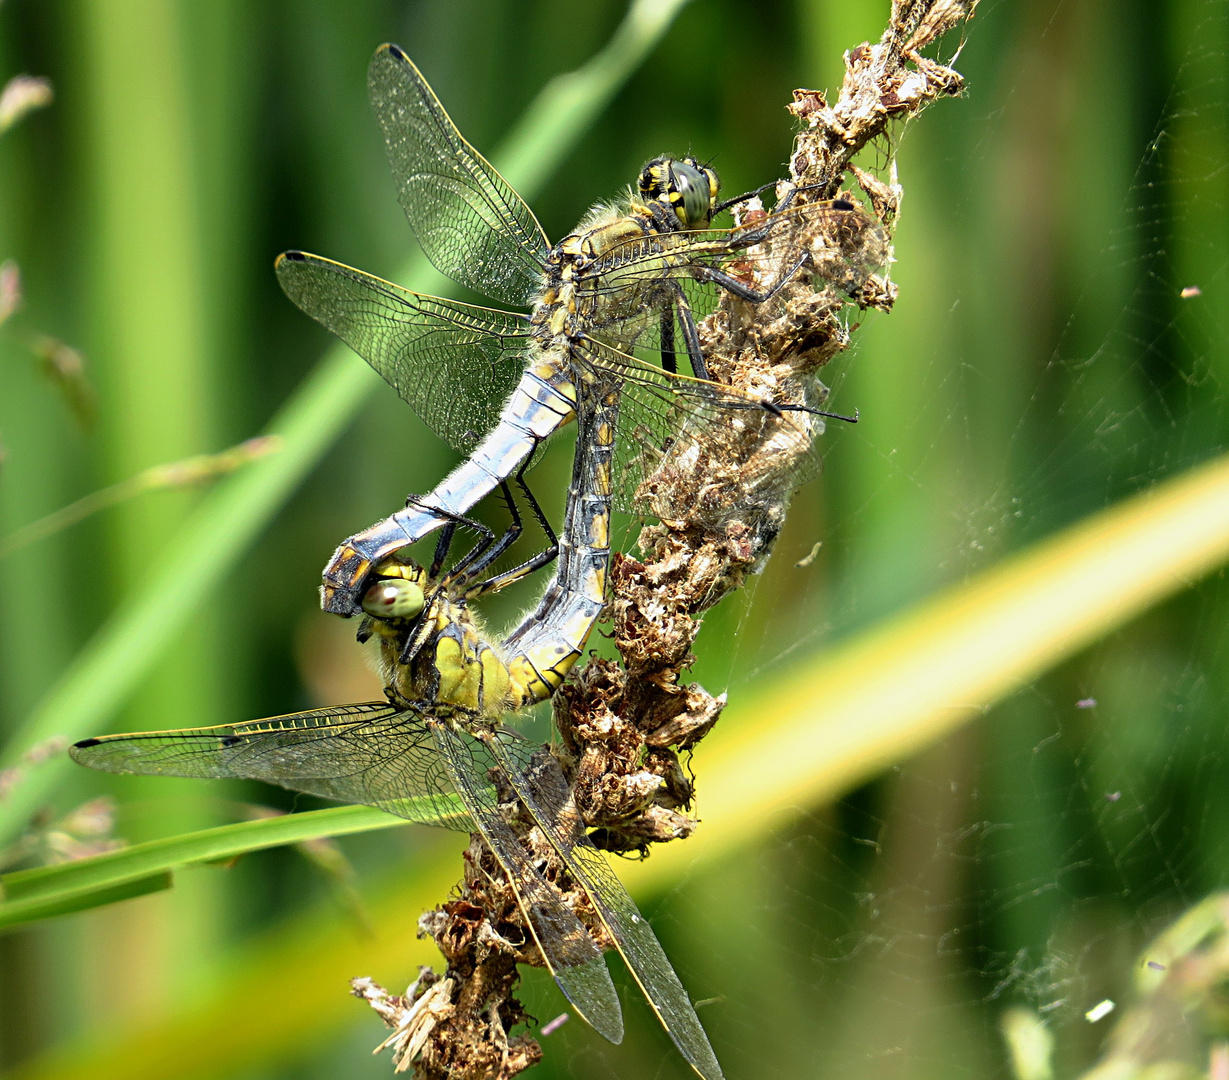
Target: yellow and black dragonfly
x=615, y=301
x=435, y=751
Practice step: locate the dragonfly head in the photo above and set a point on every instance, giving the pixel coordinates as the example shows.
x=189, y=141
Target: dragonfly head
x=684, y=186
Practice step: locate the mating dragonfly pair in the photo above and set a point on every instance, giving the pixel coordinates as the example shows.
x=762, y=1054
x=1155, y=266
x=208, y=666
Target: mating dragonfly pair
x=613, y=306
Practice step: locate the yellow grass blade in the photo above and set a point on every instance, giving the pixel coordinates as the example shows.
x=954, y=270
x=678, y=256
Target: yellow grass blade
x=811, y=735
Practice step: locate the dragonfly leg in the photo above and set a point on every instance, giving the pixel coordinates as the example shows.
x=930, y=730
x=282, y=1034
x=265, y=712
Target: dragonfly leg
x=488, y=549
x=691, y=337
x=744, y=291
x=721, y=206
x=448, y=515
x=837, y=204
x=552, y=541
x=486, y=537
x=442, y=546
x=536, y=562
x=669, y=361
x=476, y=563
x=783, y=204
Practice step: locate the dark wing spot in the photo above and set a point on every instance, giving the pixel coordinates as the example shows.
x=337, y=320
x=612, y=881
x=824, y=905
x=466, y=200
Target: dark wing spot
x=294, y=256
x=842, y=204
x=395, y=50
x=230, y=740
x=86, y=742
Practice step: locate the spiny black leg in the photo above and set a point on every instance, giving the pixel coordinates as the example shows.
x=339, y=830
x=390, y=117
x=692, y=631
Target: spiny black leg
x=418, y=631
x=475, y=566
x=745, y=196
x=783, y=204
x=541, y=559
x=664, y=220
x=447, y=515
x=481, y=555
x=741, y=289
x=552, y=541
x=691, y=336
x=486, y=537
x=789, y=198
x=442, y=546
x=669, y=361
x=502, y=580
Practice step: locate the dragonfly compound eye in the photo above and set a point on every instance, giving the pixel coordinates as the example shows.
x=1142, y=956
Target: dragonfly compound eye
x=394, y=598
x=686, y=187
x=697, y=188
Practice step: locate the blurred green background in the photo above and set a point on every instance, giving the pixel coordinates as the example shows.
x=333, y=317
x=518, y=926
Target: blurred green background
x=1041, y=364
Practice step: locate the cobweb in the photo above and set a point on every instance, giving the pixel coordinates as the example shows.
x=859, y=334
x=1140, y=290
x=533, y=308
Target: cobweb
x=1067, y=274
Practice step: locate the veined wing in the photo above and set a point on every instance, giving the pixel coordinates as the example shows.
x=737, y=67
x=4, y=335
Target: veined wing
x=402, y=761
x=371, y=753
x=632, y=294
x=540, y=785
x=469, y=220
x=573, y=958
x=454, y=363
x=663, y=417
x=842, y=243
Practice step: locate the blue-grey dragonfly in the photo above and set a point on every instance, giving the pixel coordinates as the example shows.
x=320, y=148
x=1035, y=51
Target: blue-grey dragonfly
x=630, y=281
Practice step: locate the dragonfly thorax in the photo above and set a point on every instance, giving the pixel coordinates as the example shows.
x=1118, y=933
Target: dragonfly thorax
x=673, y=195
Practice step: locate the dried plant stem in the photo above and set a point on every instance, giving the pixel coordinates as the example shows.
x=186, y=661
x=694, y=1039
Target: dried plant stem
x=623, y=727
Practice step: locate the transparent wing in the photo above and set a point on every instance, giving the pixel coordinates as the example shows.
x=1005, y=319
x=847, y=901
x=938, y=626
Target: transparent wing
x=455, y=364
x=665, y=420
x=632, y=295
x=837, y=242
x=540, y=785
x=370, y=753
x=471, y=223
x=573, y=958
x=400, y=760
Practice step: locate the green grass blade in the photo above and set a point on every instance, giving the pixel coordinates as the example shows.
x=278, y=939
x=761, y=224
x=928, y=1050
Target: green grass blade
x=102, y=873
x=120, y=654
x=570, y=103
x=191, y=471
x=310, y=957
x=789, y=742
x=15, y=913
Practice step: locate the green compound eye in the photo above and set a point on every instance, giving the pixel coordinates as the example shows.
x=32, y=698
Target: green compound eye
x=696, y=185
x=688, y=188
x=394, y=598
